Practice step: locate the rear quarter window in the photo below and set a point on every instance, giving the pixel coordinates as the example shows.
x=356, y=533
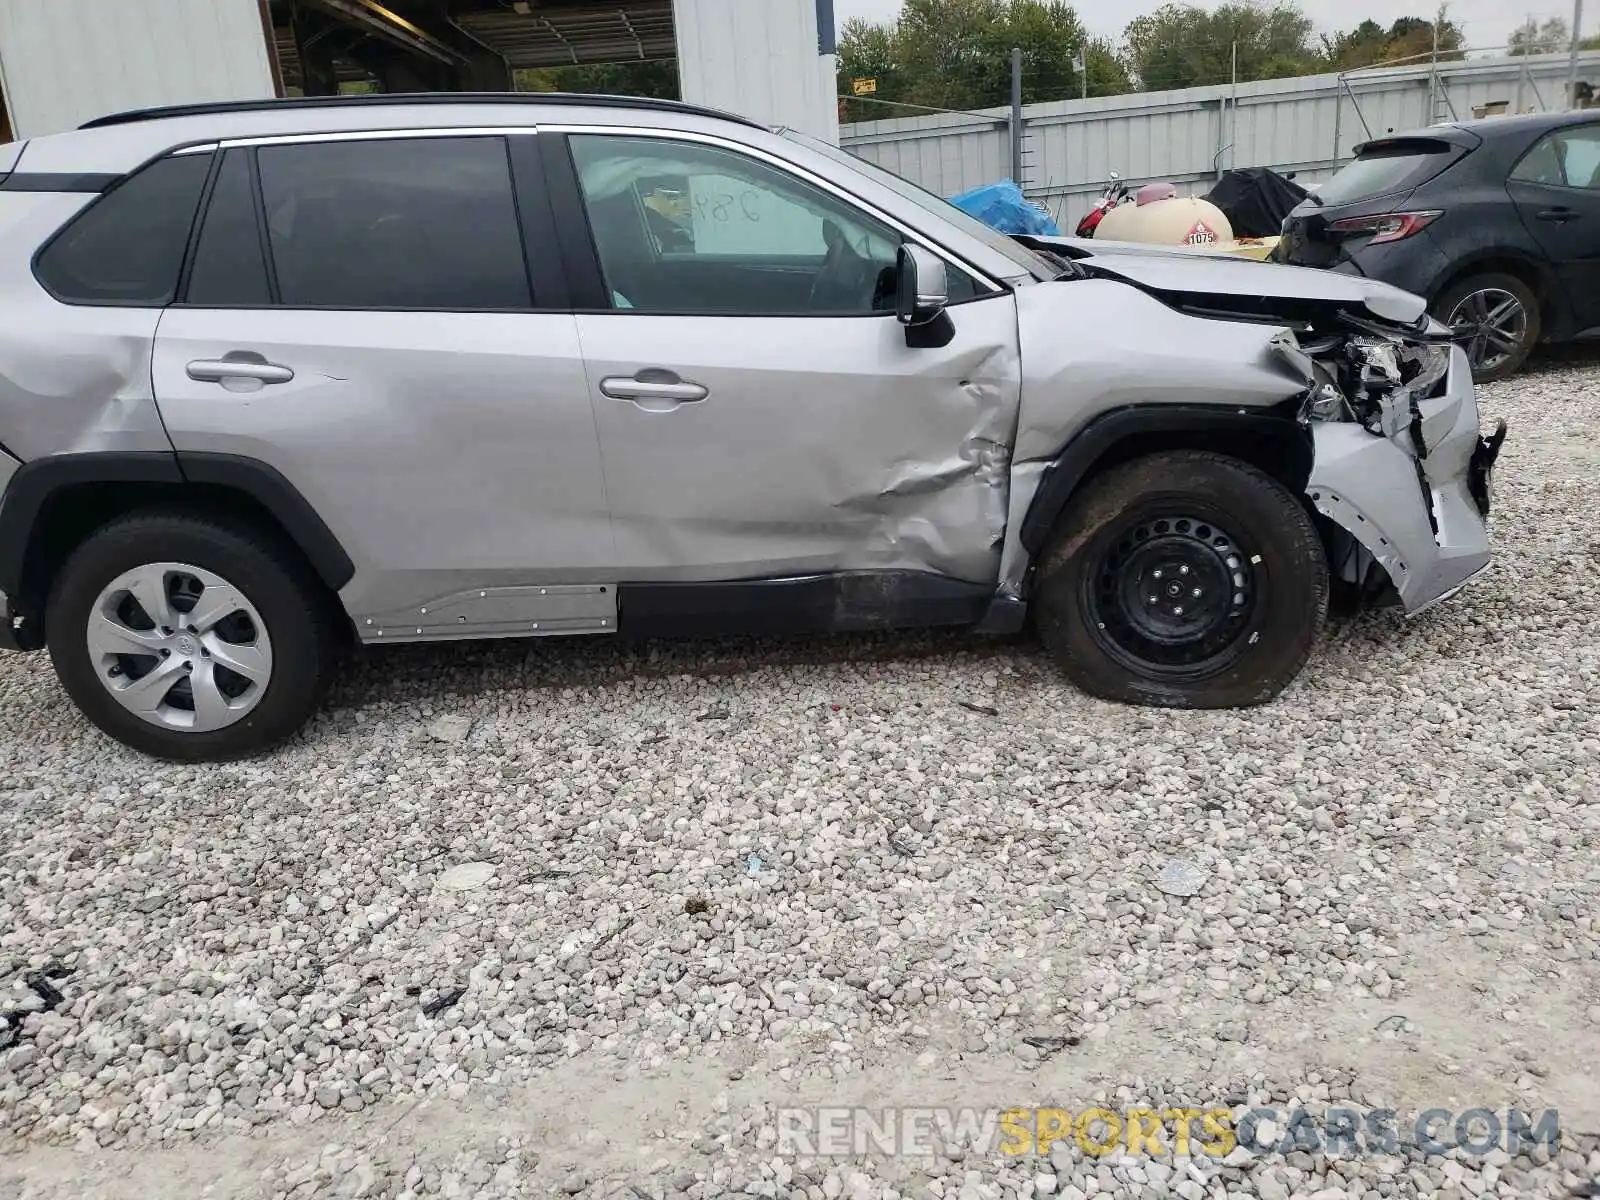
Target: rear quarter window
x=126, y=248
x=1389, y=167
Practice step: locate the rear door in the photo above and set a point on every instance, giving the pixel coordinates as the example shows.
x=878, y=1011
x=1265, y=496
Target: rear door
x=761, y=413
x=1556, y=188
x=374, y=317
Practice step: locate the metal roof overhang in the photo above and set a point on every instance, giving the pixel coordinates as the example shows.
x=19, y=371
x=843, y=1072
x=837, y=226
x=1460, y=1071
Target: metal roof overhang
x=547, y=34
x=525, y=33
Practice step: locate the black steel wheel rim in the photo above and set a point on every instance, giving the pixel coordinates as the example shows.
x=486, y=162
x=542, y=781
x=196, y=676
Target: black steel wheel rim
x=1172, y=594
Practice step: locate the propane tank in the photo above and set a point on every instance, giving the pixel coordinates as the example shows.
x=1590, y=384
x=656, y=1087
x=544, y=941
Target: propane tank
x=1167, y=220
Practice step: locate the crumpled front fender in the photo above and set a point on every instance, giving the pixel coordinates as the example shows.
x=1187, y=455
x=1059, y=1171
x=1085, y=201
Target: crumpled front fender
x=1424, y=527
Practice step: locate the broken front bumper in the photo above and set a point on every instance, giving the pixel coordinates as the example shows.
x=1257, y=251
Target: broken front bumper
x=1423, y=516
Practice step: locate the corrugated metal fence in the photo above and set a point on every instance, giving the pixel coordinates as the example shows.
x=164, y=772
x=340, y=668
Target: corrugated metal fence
x=1306, y=125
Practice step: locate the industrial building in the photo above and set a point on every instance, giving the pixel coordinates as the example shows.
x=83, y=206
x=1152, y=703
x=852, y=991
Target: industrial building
x=63, y=62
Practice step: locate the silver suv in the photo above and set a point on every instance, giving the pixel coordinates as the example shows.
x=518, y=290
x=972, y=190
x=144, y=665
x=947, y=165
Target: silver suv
x=277, y=377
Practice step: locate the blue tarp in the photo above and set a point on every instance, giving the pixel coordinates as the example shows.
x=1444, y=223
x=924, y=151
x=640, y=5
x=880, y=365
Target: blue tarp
x=1003, y=207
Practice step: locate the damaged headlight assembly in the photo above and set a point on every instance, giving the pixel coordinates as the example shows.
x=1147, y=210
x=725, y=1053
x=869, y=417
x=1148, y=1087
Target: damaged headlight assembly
x=1376, y=377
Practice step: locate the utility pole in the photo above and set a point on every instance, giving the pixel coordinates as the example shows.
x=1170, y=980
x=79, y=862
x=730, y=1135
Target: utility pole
x=1572, y=58
x=1522, y=71
x=1234, y=104
x=1016, y=115
x=1433, y=72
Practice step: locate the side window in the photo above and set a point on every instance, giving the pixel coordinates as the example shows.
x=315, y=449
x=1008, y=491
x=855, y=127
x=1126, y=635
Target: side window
x=1566, y=158
x=127, y=247
x=682, y=227
x=1582, y=157
x=414, y=223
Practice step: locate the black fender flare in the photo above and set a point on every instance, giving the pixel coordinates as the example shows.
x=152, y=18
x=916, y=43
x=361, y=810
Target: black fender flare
x=1270, y=438
x=268, y=487
x=36, y=481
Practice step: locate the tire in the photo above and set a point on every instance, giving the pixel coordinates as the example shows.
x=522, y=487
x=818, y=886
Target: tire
x=1165, y=528
x=1454, y=307
x=283, y=621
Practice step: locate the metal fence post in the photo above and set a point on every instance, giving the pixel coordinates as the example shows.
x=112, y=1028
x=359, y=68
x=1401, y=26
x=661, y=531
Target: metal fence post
x=1338, y=119
x=1572, y=57
x=1016, y=115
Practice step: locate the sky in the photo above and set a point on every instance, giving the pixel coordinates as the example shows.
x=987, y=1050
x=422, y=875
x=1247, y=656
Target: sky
x=1485, y=22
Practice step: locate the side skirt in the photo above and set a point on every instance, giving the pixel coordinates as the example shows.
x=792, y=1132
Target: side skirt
x=852, y=601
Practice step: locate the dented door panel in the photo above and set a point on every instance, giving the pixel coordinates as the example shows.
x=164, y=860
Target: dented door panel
x=822, y=444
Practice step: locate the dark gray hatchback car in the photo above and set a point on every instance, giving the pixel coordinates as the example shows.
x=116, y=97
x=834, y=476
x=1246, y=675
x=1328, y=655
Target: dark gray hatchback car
x=1495, y=222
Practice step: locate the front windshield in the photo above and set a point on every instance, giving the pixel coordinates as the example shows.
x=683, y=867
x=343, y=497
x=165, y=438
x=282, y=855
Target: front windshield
x=931, y=203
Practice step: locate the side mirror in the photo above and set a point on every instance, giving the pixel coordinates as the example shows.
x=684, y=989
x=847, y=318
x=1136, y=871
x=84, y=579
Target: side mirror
x=924, y=288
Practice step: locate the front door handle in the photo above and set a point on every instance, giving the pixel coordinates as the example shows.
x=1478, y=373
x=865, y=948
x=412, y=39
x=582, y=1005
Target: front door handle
x=654, y=390
x=1562, y=215
x=253, y=369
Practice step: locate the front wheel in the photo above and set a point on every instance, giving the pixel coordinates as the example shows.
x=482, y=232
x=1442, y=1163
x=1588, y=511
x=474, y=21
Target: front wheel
x=1185, y=580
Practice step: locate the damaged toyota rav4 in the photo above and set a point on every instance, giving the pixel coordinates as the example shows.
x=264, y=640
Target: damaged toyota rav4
x=281, y=377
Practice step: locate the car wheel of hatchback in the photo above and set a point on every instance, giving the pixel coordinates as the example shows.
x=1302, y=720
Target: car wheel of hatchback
x=1498, y=316
x=189, y=639
x=1185, y=580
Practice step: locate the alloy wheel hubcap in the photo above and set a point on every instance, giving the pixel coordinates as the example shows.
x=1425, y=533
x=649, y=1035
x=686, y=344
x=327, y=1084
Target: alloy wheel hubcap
x=180, y=647
x=1498, y=325
x=1173, y=594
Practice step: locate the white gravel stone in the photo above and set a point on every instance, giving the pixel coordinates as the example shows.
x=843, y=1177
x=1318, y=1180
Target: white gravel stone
x=466, y=877
x=1179, y=878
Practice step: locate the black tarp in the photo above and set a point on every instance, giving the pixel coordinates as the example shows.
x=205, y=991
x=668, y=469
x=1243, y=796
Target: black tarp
x=1256, y=200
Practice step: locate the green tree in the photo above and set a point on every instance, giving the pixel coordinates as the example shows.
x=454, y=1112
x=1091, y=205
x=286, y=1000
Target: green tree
x=869, y=51
x=1411, y=39
x=956, y=54
x=1408, y=39
x=1184, y=45
x=656, y=79
x=1533, y=38
x=1359, y=47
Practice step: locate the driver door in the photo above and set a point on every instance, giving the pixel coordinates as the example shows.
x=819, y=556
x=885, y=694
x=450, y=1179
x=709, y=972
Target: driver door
x=760, y=412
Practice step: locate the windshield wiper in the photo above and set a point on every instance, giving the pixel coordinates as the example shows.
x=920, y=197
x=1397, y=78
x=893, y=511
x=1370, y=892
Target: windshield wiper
x=1068, y=266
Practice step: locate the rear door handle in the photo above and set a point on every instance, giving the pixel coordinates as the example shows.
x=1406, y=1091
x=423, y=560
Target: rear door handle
x=222, y=370
x=654, y=390
x=1562, y=215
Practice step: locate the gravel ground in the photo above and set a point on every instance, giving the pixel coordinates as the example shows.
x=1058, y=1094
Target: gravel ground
x=576, y=918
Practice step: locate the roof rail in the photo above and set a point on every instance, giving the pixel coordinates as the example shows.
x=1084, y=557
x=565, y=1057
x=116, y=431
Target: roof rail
x=383, y=98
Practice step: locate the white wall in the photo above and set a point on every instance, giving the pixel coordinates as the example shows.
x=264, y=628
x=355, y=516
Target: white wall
x=757, y=58
x=64, y=62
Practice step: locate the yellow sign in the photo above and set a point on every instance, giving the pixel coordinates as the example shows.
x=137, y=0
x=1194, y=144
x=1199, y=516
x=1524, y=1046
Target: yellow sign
x=864, y=87
x=1100, y=1131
